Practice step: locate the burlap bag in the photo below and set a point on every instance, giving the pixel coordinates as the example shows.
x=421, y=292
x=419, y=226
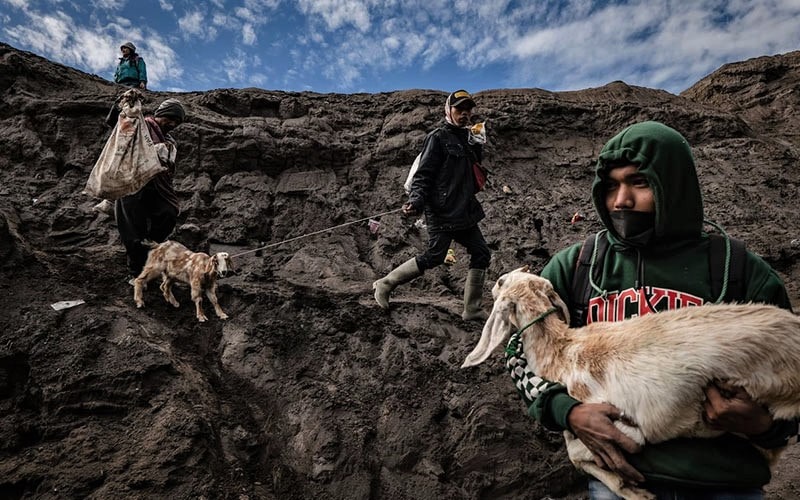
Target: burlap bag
x=129, y=159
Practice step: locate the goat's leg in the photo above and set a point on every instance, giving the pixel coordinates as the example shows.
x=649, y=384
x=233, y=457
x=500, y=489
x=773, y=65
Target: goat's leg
x=583, y=459
x=211, y=293
x=197, y=297
x=166, y=289
x=615, y=482
x=140, y=284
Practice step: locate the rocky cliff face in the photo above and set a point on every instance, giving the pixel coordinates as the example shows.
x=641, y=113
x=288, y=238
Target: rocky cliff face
x=309, y=390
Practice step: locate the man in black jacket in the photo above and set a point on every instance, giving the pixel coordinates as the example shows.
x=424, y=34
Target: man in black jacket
x=444, y=188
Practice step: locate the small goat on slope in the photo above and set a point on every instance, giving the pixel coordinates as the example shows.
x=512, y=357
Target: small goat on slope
x=653, y=367
x=174, y=262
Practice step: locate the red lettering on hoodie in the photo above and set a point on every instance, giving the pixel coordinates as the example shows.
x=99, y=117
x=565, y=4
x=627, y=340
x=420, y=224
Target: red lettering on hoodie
x=631, y=302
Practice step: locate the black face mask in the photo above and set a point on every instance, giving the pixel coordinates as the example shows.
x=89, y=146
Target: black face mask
x=634, y=228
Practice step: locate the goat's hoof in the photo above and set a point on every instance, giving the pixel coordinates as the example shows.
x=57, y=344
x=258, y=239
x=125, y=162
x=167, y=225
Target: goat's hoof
x=175, y=304
x=202, y=319
x=139, y=304
x=635, y=493
x=222, y=316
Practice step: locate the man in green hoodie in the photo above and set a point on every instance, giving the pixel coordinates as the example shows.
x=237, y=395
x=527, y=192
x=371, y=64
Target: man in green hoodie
x=647, y=195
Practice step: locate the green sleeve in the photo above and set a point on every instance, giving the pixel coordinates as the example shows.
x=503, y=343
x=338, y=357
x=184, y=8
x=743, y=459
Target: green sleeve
x=552, y=407
x=763, y=283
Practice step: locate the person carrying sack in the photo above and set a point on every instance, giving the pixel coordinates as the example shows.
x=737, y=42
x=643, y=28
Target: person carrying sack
x=151, y=212
x=444, y=187
x=129, y=158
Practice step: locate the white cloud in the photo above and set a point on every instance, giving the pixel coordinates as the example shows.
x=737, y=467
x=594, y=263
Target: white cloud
x=96, y=60
x=107, y=4
x=222, y=20
x=239, y=69
x=163, y=63
x=193, y=25
x=243, y=13
x=248, y=34
x=348, y=44
x=19, y=4
x=234, y=66
x=258, y=80
x=338, y=13
x=259, y=5
x=342, y=73
x=391, y=43
x=49, y=35
x=655, y=43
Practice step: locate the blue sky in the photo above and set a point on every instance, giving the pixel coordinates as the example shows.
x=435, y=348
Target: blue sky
x=348, y=46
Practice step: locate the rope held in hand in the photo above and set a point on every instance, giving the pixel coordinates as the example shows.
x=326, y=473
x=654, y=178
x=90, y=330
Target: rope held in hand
x=315, y=233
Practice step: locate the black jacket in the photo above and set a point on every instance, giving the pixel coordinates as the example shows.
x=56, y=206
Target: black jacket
x=444, y=185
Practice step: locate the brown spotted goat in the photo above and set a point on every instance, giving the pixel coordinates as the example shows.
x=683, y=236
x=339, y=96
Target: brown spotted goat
x=630, y=364
x=173, y=261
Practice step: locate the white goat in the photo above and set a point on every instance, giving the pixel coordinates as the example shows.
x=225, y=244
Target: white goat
x=653, y=367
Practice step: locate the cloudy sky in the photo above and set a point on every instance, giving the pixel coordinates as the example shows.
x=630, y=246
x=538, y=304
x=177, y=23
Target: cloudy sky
x=348, y=46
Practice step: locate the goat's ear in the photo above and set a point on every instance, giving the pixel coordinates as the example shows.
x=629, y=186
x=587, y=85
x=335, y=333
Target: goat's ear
x=497, y=289
x=556, y=300
x=495, y=331
x=525, y=269
x=211, y=265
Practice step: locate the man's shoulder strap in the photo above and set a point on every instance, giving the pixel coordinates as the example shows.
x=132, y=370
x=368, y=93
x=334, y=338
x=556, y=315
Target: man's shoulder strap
x=135, y=58
x=733, y=283
x=581, y=287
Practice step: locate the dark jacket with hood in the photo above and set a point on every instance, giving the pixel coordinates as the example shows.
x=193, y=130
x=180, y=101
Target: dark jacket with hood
x=670, y=271
x=162, y=182
x=444, y=184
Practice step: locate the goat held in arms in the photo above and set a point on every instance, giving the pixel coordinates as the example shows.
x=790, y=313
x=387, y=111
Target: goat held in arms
x=631, y=364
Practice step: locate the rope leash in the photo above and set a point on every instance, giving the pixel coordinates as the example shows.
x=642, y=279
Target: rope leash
x=513, y=343
x=315, y=233
x=527, y=383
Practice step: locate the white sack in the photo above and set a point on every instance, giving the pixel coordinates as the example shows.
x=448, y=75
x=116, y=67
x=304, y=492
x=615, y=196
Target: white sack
x=129, y=159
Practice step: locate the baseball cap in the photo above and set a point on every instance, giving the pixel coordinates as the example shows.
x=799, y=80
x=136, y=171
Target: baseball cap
x=460, y=97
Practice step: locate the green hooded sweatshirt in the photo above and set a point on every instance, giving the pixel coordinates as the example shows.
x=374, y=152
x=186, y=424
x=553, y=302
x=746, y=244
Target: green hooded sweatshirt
x=672, y=271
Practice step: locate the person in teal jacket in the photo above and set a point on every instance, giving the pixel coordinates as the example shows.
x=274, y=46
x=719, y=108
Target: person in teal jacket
x=131, y=70
x=647, y=195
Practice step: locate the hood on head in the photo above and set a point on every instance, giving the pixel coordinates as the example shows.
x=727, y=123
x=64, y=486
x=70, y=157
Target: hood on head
x=665, y=159
x=171, y=108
